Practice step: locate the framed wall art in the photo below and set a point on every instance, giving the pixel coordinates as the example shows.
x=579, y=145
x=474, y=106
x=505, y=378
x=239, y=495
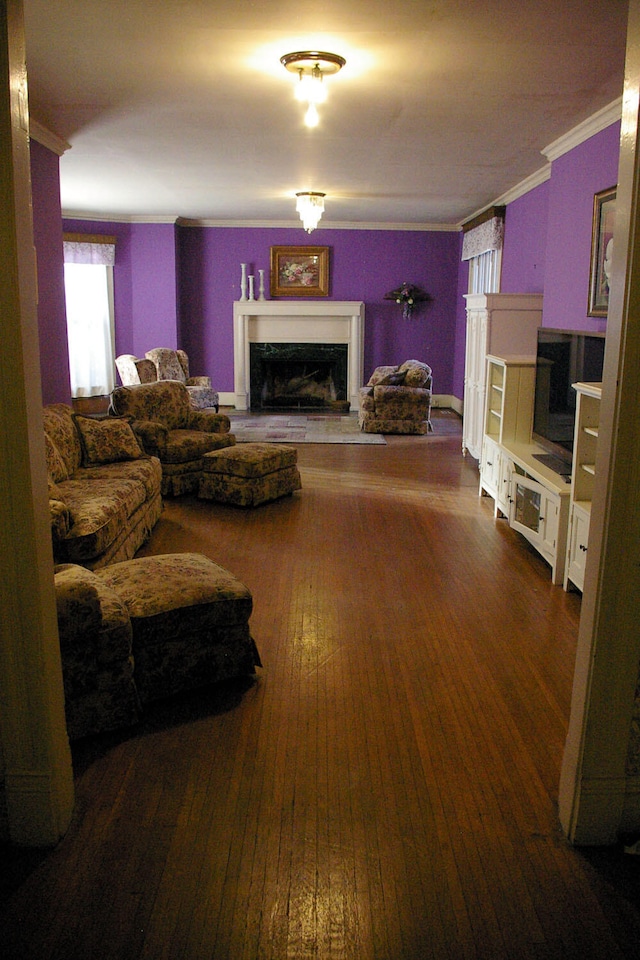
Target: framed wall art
x=604, y=208
x=299, y=271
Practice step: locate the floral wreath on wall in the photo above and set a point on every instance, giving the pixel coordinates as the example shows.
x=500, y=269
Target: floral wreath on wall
x=407, y=294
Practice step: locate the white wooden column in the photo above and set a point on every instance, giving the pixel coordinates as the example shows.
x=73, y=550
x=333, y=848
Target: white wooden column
x=35, y=774
x=599, y=799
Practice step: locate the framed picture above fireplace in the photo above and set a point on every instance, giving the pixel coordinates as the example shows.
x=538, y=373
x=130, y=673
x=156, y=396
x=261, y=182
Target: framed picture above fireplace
x=299, y=271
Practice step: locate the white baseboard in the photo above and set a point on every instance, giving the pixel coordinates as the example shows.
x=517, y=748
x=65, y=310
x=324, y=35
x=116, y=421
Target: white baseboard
x=439, y=400
x=448, y=401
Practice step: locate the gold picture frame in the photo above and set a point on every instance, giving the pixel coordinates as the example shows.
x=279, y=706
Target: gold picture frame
x=604, y=210
x=299, y=271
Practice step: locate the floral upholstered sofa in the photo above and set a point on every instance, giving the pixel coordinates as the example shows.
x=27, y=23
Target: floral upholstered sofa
x=104, y=490
x=397, y=399
x=169, y=428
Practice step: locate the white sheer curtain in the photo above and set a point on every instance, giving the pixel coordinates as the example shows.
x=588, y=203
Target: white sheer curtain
x=88, y=279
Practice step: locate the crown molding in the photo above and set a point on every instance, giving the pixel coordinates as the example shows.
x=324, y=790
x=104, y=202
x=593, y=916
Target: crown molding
x=588, y=128
x=325, y=225
x=255, y=224
x=116, y=217
x=526, y=185
x=48, y=139
x=540, y=176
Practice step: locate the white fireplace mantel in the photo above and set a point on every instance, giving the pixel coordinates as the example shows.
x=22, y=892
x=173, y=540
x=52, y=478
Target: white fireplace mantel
x=297, y=321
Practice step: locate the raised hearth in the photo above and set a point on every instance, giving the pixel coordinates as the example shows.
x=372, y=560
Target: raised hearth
x=297, y=322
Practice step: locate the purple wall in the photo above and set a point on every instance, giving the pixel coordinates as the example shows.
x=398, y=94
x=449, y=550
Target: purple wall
x=575, y=178
x=154, y=298
x=457, y=388
x=144, y=281
x=364, y=265
x=47, y=233
x=176, y=285
x=525, y=242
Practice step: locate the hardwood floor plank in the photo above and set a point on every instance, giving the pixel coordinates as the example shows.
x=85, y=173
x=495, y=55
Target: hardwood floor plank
x=387, y=788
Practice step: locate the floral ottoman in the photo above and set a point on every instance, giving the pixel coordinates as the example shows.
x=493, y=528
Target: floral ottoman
x=190, y=622
x=249, y=474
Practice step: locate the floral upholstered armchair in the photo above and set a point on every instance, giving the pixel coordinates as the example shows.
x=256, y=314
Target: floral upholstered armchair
x=168, y=427
x=163, y=363
x=397, y=399
x=174, y=365
x=133, y=370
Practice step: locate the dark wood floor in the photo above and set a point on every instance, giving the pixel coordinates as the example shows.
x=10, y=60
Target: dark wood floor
x=387, y=788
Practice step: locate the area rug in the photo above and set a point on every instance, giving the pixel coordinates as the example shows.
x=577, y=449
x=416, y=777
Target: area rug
x=300, y=428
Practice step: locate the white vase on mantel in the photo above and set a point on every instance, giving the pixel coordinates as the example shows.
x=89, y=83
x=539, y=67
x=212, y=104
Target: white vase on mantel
x=243, y=281
x=261, y=295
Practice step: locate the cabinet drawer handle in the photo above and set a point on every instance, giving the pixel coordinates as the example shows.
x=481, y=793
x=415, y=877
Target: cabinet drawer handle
x=582, y=547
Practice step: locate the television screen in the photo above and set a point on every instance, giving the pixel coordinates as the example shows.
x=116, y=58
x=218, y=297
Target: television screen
x=564, y=357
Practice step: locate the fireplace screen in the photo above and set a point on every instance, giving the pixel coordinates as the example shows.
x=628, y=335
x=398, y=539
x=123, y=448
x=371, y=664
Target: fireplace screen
x=298, y=376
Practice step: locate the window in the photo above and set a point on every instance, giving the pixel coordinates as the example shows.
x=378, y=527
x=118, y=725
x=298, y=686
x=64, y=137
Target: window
x=482, y=247
x=484, y=272
x=88, y=280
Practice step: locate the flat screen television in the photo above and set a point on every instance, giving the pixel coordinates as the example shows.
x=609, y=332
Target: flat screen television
x=564, y=357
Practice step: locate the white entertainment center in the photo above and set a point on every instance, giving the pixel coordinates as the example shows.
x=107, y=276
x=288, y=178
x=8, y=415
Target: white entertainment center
x=551, y=512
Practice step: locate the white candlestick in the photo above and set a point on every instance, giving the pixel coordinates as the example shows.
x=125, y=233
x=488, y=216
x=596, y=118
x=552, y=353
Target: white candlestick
x=261, y=288
x=251, y=297
x=243, y=282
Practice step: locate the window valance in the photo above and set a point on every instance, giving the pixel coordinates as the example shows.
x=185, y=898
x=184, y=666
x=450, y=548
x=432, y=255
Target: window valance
x=486, y=236
x=83, y=248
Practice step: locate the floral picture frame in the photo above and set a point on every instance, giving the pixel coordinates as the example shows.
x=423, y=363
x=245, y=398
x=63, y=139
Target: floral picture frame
x=604, y=208
x=299, y=271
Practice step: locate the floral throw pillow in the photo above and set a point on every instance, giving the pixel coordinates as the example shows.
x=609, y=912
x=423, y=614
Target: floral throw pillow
x=384, y=375
x=107, y=441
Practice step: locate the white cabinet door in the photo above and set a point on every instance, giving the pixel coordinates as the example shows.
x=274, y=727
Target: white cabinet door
x=577, y=546
x=534, y=512
x=490, y=467
x=474, y=384
x=505, y=474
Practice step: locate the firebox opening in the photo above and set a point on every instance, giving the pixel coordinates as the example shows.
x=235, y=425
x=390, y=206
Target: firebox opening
x=297, y=376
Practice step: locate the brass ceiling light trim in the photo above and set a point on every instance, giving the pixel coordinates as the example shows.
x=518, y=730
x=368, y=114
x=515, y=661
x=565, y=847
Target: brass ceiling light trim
x=309, y=60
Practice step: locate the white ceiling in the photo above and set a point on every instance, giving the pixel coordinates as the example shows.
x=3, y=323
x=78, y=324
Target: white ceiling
x=181, y=108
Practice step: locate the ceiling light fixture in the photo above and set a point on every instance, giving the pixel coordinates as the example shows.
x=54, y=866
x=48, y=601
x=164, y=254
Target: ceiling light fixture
x=311, y=67
x=310, y=206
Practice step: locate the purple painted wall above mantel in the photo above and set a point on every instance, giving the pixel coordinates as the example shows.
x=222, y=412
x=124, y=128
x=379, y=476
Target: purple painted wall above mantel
x=364, y=265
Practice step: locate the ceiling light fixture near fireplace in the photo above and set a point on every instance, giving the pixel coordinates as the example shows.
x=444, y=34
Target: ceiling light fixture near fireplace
x=312, y=66
x=310, y=206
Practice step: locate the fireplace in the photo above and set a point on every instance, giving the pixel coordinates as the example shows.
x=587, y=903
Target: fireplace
x=294, y=376
x=273, y=332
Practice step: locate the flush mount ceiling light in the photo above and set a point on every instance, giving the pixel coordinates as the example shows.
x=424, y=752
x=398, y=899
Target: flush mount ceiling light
x=310, y=206
x=312, y=66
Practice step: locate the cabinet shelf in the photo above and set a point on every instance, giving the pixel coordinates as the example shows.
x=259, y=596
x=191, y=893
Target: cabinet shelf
x=583, y=479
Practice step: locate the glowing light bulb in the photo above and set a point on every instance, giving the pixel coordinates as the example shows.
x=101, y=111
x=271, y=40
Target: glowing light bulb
x=312, y=117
